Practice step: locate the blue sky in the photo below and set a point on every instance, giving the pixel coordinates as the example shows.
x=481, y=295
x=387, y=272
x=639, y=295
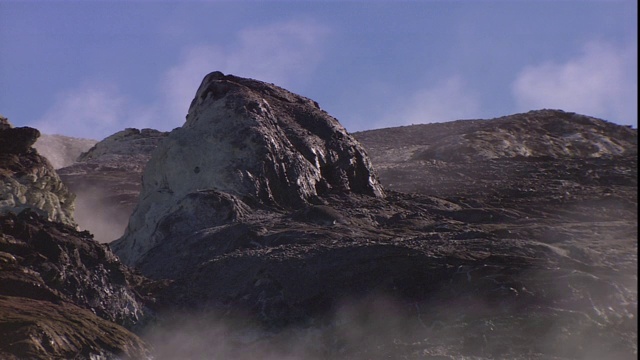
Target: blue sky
x=91, y=68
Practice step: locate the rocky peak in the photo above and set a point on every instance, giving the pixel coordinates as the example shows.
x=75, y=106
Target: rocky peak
x=135, y=145
x=245, y=141
x=266, y=143
x=27, y=180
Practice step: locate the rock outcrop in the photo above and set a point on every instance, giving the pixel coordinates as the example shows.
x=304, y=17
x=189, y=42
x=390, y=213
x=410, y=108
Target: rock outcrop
x=106, y=180
x=62, y=150
x=62, y=294
x=529, y=255
x=550, y=134
x=244, y=142
x=27, y=179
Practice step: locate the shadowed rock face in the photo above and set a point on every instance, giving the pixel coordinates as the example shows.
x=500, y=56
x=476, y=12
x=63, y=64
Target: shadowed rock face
x=62, y=295
x=250, y=141
x=519, y=239
x=27, y=180
x=513, y=238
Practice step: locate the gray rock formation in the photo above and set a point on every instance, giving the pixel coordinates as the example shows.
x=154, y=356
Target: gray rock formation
x=62, y=294
x=245, y=141
x=27, y=180
x=106, y=180
x=528, y=249
x=62, y=150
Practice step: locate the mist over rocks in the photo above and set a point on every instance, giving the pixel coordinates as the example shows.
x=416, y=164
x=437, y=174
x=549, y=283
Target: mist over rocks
x=255, y=142
x=523, y=247
x=27, y=179
x=107, y=180
x=62, y=150
x=508, y=238
x=62, y=294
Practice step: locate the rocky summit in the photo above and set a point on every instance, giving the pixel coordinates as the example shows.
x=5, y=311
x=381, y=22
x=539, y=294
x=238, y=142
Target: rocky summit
x=244, y=143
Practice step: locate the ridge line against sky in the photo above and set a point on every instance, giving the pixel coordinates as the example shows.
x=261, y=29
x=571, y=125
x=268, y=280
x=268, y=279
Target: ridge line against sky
x=90, y=69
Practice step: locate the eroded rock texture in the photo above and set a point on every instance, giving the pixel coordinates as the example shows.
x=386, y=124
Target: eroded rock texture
x=518, y=239
x=106, y=180
x=27, y=180
x=244, y=141
x=63, y=295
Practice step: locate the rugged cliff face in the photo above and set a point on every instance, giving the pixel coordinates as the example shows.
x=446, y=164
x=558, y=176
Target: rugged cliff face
x=27, y=180
x=512, y=238
x=62, y=295
x=106, y=180
x=527, y=250
x=244, y=142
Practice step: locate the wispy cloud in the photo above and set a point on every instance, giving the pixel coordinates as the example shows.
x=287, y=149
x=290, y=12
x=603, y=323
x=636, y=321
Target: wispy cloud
x=88, y=111
x=279, y=53
x=601, y=81
x=450, y=99
x=282, y=53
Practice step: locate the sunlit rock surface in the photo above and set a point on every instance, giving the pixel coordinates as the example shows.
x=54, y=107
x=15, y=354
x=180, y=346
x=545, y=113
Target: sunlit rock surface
x=244, y=141
x=27, y=179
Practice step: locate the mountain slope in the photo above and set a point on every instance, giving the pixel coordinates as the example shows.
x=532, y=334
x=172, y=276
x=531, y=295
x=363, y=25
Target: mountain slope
x=522, y=244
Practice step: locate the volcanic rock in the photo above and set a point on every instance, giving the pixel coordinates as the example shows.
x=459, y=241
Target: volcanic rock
x=523, y=247
x=106, y=180
x=63, y=295
x=244, y=142
x=27, y=180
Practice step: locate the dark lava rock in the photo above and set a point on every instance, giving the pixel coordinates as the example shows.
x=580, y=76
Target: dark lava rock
x=106, y=180
x=520, y=244
x=63, y=295
x=17, y=140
